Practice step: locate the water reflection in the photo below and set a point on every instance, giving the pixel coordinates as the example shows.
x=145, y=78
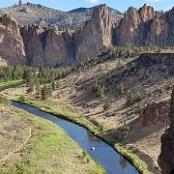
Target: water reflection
x=123, y=162
x=93, y=139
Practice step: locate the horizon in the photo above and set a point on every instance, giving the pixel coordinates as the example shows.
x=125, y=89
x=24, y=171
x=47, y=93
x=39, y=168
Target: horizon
x=61, y=5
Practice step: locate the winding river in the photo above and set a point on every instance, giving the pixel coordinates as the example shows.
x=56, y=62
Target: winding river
x=103, y=153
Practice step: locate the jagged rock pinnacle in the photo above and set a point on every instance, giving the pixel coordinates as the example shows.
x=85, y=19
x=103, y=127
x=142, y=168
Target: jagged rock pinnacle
x=20, y=2
x=166, y=158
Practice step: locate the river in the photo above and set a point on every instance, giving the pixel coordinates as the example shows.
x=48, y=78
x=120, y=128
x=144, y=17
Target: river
x=104, y=154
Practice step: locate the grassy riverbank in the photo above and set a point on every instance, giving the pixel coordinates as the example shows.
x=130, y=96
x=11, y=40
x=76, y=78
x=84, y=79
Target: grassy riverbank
x=5, y=83
x=49, y=150
x=65, y=111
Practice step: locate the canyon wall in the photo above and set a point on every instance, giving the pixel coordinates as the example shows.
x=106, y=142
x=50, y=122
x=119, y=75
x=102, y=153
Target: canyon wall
x=12, y=49
x=145, y=27
x=36, y=45
x=166, y=158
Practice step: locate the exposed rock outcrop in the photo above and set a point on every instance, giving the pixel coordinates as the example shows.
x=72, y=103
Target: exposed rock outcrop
x=154, y=112
x=44, y=46
x=48, y=46
x=11, y=43
x=166, y=158
x=145, y=27
x=134, y=27
x=95, y=36
x=156, y=58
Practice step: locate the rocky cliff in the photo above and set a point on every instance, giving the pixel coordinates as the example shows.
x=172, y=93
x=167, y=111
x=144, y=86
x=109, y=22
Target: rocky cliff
x=11, y=44
x=145, y=27
x=36, y=45
x=148, y=59
x=48, y=46
x=44, y=46
x=153, y=113
x=166, y=158
x=95, y=36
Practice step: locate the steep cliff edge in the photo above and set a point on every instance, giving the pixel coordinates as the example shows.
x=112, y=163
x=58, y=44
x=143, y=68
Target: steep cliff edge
x=166, y=158
x=145, y=27
x=95, y=36
x=11, y=43
x=134, y=27
x=44, y=46
x=48, y=46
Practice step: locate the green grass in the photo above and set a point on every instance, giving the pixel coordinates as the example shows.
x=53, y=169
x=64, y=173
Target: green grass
x=51, y=151
x=4, y=83
x=64, y=111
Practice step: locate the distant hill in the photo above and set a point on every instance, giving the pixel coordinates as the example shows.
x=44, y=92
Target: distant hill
x=38, y=14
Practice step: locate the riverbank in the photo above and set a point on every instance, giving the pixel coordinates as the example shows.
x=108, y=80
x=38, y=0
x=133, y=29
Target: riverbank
x=67, y=112
x=48, y=150
x=6, y=83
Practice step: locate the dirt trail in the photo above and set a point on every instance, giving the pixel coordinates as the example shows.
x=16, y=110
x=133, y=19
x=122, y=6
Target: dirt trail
x=11, y=153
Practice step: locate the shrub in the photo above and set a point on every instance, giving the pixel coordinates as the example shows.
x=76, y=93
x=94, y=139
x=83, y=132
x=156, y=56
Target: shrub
x=124, y=130
x=99, y=89
x=2, y=99
x=84, y=153
x=22, y=98
x=120, y=88
x=133, y=98
x=107, y=105
x=138, y=108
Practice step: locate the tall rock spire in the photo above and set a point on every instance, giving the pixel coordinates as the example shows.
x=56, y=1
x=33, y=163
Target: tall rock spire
x=20, y=2
x=96, y=35
x=166, y=158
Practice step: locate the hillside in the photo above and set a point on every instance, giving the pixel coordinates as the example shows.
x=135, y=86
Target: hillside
x=129, y=84
x=39, y=15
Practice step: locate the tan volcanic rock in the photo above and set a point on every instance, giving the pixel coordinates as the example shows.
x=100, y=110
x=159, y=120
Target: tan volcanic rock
x=44, y=46
x=11, y=44
x=166, y=158
x=133, y=28
x=96, y=35
x=47, y=46
x=154, y=112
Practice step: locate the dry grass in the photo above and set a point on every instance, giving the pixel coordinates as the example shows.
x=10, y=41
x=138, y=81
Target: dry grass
x=49, y=149
x=75, y=93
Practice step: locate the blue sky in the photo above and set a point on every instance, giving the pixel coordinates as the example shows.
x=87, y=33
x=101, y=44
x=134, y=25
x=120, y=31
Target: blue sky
x=120, y=5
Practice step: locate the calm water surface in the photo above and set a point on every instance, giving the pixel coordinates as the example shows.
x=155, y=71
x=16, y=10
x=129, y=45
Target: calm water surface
x=103, y=153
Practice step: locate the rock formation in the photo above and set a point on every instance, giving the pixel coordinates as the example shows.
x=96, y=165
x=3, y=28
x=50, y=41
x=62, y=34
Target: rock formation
x=44, y=46
x=153, y=113
x=156, y=58
x=48, y=46
x=166, y=158
x=95, y=36
x=145, y=27
x=20, y=2
x=11, y=43
x=134, y=27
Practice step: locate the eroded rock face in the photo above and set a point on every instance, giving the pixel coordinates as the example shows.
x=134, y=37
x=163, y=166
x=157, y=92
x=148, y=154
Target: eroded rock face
x=48, y=46
x=11, y=44
x=44, y=46
x=154, y=112
x=149, y=59
x=145, y=27
x=134, y=27
x=166, y=158
x=96, y=35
